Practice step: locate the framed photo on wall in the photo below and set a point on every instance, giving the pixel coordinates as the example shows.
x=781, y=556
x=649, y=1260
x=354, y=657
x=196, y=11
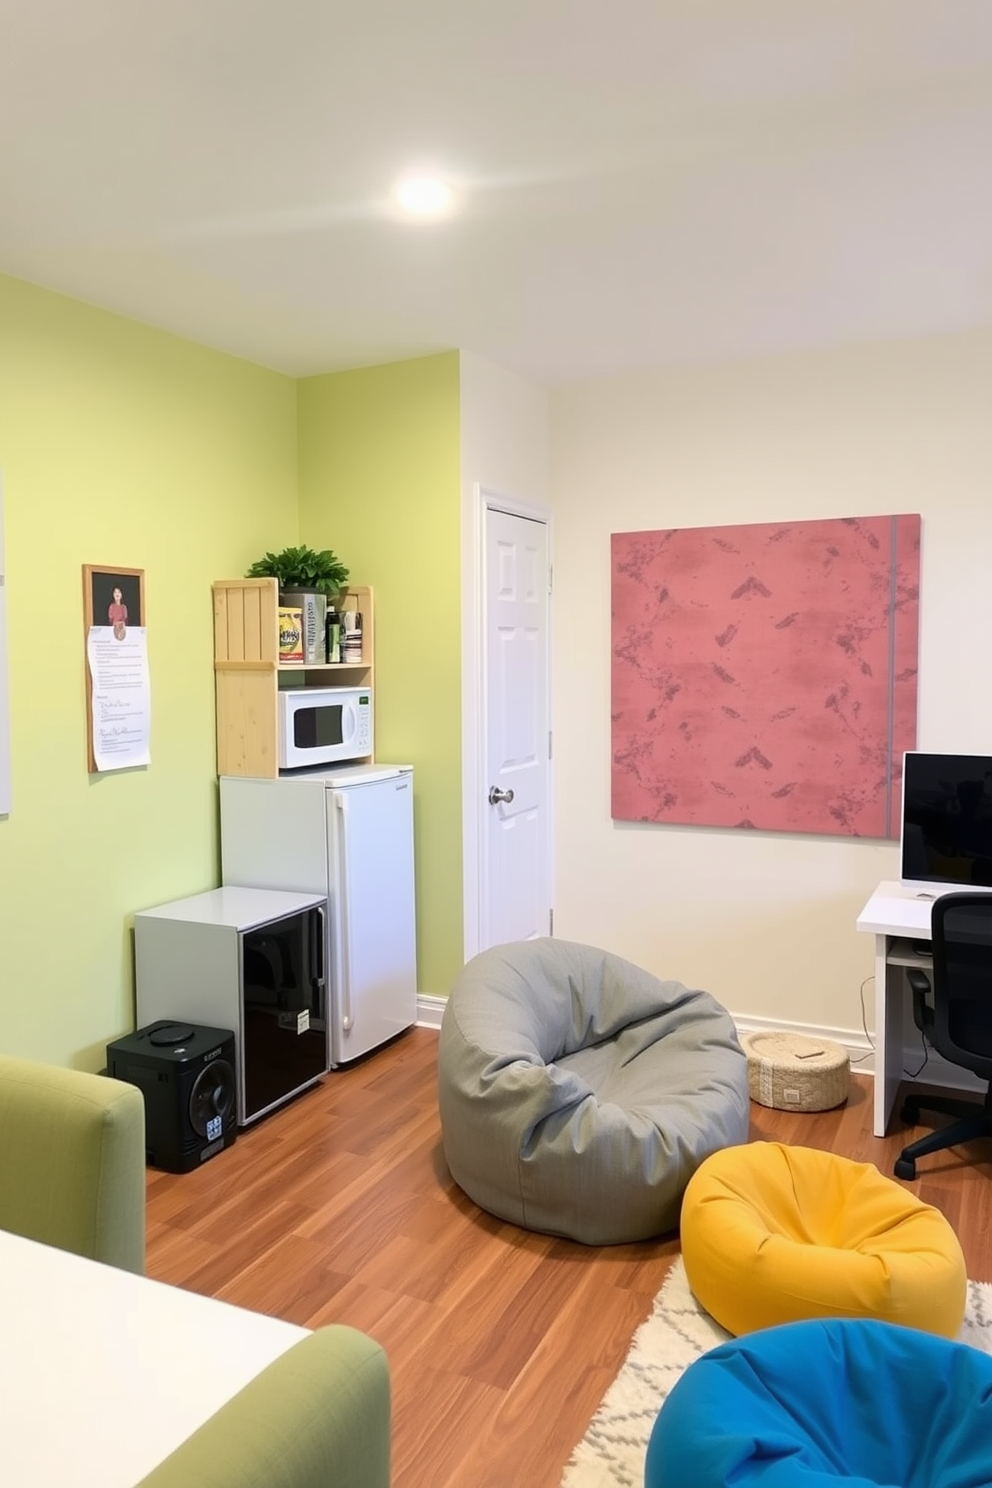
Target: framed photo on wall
x=113, y=596
x=118, y=690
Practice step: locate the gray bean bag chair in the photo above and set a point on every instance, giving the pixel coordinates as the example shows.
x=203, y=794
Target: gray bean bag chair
x=579, y=1093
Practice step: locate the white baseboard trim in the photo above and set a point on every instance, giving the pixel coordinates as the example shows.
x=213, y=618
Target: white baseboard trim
x=429, y=1010
x=860, y=1050
x=937, y=1071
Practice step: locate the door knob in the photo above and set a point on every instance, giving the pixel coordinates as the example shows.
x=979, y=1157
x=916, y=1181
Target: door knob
x=496, y=795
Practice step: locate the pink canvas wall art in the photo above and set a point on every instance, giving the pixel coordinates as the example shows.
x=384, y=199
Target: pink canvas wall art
x=765, y=675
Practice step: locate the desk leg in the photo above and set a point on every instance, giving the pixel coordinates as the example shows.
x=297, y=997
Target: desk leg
x=888, y=1035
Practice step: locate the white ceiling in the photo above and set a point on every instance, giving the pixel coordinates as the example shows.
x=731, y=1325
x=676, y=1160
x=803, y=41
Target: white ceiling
x=642, y=182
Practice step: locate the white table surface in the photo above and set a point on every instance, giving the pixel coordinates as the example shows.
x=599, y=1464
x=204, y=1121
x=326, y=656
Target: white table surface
x=904, y=909
x=104, y=1373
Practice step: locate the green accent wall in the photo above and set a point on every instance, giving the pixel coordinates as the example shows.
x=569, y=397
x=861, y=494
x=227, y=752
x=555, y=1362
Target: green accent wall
x=118, y=445
x=122, y=445
x=379, y=479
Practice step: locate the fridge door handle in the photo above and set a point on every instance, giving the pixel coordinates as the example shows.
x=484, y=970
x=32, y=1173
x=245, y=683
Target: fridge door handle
x=318, y=958
x=343, y=917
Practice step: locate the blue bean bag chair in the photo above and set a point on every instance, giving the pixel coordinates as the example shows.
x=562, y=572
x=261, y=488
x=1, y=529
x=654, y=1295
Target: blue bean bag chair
x=836, y=1400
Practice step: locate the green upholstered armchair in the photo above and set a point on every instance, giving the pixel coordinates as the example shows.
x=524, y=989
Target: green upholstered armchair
x=72, y=1161
x=317, y=1417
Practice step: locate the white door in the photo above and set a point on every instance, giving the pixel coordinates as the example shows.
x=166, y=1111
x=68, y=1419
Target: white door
x=516, y=892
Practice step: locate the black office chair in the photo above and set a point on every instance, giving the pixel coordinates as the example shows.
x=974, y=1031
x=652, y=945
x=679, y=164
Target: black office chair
x=955, y=1016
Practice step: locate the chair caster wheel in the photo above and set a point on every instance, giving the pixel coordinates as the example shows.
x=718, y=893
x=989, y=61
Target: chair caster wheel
x=905, y=1168
x=910, y=1112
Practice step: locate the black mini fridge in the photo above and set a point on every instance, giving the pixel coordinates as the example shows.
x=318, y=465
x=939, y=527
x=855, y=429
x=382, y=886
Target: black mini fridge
x=250, y=959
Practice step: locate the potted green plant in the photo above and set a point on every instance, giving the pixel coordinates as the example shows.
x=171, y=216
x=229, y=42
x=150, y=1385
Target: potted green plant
x=303, y=571
x=308, y=581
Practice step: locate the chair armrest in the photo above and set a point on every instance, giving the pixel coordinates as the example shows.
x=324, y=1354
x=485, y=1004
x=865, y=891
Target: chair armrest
x=72, y=1161
x=317, y=1417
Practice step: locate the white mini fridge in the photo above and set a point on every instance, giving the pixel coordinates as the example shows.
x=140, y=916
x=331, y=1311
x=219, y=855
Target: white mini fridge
x=347, y=835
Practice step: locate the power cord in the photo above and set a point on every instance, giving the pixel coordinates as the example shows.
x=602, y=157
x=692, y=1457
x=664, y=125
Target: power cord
x=909, y=1074
x=913, y=1074
x=864, y=1023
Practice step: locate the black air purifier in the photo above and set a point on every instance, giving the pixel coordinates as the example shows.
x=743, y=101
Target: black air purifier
x=186, y=1074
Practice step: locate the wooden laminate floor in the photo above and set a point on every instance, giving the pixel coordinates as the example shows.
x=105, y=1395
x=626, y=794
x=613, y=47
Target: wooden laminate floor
x=339, y=1208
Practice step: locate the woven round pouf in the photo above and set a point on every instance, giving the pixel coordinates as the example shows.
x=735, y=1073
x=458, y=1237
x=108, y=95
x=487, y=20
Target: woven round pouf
x=791, y=1072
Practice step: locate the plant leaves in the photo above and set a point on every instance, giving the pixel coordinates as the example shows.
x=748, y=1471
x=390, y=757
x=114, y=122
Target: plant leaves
x=302, y=568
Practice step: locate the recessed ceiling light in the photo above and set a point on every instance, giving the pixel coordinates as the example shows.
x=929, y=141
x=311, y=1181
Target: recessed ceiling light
x=424, y=196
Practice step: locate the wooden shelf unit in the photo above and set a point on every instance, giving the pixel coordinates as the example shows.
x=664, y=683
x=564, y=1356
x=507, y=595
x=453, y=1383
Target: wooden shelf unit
x=247, y=670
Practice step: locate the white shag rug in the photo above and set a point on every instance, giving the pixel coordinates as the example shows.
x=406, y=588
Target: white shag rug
x=612, y=1452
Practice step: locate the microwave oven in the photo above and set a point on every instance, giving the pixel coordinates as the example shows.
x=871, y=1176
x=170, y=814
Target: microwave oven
x=324, y=725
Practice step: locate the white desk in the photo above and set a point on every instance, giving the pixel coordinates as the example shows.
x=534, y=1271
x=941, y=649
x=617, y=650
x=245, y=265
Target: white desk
x=895, y=914
x=104, y=1373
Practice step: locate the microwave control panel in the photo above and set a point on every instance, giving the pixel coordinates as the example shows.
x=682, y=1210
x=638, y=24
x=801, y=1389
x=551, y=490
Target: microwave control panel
x=363, y=734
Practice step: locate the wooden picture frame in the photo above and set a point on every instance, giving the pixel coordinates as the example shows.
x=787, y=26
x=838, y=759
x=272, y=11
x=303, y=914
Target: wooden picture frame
x=106, y=592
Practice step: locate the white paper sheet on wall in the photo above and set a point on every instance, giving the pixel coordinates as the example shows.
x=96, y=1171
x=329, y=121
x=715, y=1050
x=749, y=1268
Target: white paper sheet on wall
x=121, y=696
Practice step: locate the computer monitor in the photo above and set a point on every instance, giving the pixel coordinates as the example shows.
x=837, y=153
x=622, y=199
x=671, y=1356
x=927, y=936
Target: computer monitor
x=946, y=835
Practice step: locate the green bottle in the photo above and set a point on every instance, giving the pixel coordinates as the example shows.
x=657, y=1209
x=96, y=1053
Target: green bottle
x=332, y=628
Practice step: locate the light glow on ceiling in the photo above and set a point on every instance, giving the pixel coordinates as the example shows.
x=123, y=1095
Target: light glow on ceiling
x=424, y=196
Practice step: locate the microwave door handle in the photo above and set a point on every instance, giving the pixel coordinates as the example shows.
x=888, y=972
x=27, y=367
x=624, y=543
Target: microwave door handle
x=343, y=915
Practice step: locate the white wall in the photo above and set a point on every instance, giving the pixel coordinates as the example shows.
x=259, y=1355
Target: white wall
x=504, y=450
x=765, y=921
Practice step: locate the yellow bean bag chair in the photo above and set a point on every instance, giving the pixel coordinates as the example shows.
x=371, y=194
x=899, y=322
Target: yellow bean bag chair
x=776, y=1234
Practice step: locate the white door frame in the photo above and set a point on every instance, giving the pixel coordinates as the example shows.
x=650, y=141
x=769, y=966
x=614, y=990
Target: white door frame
x=474, y=802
